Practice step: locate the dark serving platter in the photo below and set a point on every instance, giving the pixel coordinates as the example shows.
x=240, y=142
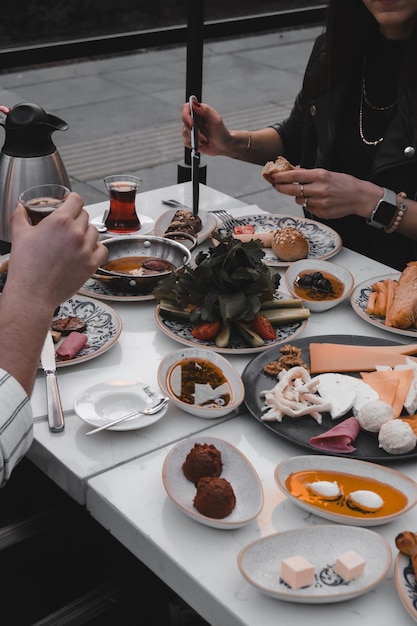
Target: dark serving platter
x=300, y=429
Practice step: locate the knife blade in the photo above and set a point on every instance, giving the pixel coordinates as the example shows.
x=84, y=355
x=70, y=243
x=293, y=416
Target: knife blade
x=195, y=159
x=55, y=414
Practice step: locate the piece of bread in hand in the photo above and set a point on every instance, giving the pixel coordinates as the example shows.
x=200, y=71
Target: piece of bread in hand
x=279, y=165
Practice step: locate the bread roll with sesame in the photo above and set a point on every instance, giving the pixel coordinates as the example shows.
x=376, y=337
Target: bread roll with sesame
x=289, y=244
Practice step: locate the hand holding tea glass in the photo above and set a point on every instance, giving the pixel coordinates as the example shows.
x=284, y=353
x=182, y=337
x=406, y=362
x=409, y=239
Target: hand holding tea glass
x=42, y=200
x=122, y=217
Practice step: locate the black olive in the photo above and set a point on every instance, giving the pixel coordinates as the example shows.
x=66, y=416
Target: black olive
x=305, y=280
x=323, y=285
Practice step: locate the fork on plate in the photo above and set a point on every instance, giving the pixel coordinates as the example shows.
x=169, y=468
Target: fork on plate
x=227, y=218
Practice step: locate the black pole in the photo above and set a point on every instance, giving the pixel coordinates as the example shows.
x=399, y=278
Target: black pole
x=194, y=76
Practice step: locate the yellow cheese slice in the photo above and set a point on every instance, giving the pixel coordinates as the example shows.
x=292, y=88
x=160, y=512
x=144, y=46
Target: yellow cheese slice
x=331, y=357
x=391, y=385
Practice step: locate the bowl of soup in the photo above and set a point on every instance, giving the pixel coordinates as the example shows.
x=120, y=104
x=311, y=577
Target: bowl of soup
x=321, y=285
x=137, y=264
x=201, y=382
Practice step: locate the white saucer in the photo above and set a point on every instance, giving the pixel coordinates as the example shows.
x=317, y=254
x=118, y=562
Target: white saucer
x=107, y=401
x=147, y=224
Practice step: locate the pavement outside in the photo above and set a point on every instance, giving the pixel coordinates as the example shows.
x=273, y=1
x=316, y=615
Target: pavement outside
x=124, y=111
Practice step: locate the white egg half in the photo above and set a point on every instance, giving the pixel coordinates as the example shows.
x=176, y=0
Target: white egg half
x=367, y=500
x=325, y=489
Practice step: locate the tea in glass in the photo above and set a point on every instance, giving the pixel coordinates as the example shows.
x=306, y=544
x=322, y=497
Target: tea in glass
x=42, y=200
x=122, y=217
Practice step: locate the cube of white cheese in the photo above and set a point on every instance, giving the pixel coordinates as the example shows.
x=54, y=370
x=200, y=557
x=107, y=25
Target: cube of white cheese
x=297, y=572
x=349, y=565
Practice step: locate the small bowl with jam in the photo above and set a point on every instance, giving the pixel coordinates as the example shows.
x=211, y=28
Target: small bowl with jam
x=201, y=382
x=322, y=285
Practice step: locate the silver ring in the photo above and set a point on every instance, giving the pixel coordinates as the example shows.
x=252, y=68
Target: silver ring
x=302, y=190
x=304, y=205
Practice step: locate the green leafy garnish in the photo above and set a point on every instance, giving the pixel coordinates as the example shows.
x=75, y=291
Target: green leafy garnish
x=229, y=282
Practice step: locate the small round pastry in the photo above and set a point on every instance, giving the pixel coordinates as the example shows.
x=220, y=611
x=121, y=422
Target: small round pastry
x=372, y=415
x=289, y=244
x=365, y=500
x=396, y=437
x=203, y=460
x=215, y=497
x=325, y=489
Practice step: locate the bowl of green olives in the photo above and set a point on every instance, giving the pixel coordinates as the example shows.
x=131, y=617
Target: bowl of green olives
x=321, y=285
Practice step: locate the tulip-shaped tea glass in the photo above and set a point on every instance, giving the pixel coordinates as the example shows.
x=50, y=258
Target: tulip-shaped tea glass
x=122, y=217
x=42, y=200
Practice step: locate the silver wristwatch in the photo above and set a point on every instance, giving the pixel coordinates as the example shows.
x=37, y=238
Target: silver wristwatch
x=385, y=211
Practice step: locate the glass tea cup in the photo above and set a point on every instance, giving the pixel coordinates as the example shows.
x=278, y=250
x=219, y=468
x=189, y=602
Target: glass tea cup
x=122, y=217
x=42, y=200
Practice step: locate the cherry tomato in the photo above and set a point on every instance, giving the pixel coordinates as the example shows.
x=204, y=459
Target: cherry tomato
x=263, y=327
x=207, y=330
x=244, y=229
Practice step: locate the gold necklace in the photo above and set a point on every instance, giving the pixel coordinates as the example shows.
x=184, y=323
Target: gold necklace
x=364, y=98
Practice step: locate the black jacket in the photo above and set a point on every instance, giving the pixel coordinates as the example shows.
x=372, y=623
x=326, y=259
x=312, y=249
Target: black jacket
x=306, y=143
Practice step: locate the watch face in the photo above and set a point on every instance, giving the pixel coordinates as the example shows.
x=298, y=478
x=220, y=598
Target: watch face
x=385, y=213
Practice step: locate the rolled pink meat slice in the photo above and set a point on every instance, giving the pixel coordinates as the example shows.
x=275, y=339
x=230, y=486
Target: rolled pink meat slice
x=71, y=346
x=339, y=438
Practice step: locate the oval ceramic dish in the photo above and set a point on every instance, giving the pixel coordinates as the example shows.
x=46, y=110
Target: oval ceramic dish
x=260, y=562
x=359, y=469
x=208, y=222
x=236, y=469
x=406, y=584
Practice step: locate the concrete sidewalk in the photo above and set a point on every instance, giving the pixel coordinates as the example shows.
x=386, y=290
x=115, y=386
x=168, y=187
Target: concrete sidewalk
x=124, y=111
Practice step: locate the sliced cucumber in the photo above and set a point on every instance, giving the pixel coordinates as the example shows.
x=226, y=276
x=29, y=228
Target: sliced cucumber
x=286, y=316
x=249, y=335
x=223, y=336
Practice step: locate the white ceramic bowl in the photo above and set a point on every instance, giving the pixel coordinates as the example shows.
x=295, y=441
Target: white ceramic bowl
x=170, y=374
x=314, y=265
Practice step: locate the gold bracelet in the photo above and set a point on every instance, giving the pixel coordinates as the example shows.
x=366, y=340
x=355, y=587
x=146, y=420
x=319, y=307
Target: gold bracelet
x=248, y=147
x=402, y=208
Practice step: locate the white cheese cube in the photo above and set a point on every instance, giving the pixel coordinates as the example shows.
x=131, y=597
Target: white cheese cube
x=349, y=565
x=297, y=572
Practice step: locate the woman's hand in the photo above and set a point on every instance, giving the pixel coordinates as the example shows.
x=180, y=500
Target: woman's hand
x=213, y=136
x=326, y=194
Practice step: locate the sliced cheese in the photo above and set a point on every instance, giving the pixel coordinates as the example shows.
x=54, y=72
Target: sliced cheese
x=383, y=381
x=330, y=357
x=338, y=390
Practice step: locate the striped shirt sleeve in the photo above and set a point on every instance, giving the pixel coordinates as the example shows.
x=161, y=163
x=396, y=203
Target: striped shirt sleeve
x=16, y=424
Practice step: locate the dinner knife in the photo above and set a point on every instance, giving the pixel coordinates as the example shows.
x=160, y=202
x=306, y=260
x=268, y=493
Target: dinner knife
x=195, y=159
x=55, y=414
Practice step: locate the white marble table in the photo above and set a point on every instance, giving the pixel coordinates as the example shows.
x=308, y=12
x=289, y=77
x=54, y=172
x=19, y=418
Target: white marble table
x=70, y=458
x=118, y=475
x=200, y=563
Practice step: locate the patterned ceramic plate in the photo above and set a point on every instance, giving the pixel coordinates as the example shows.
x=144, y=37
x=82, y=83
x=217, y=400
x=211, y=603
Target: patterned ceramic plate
x=180, y=330
x=103, y=327
x=260, y=562
x=101, y=291
x=406, y=584
x=359, y=301
x=324, y=242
